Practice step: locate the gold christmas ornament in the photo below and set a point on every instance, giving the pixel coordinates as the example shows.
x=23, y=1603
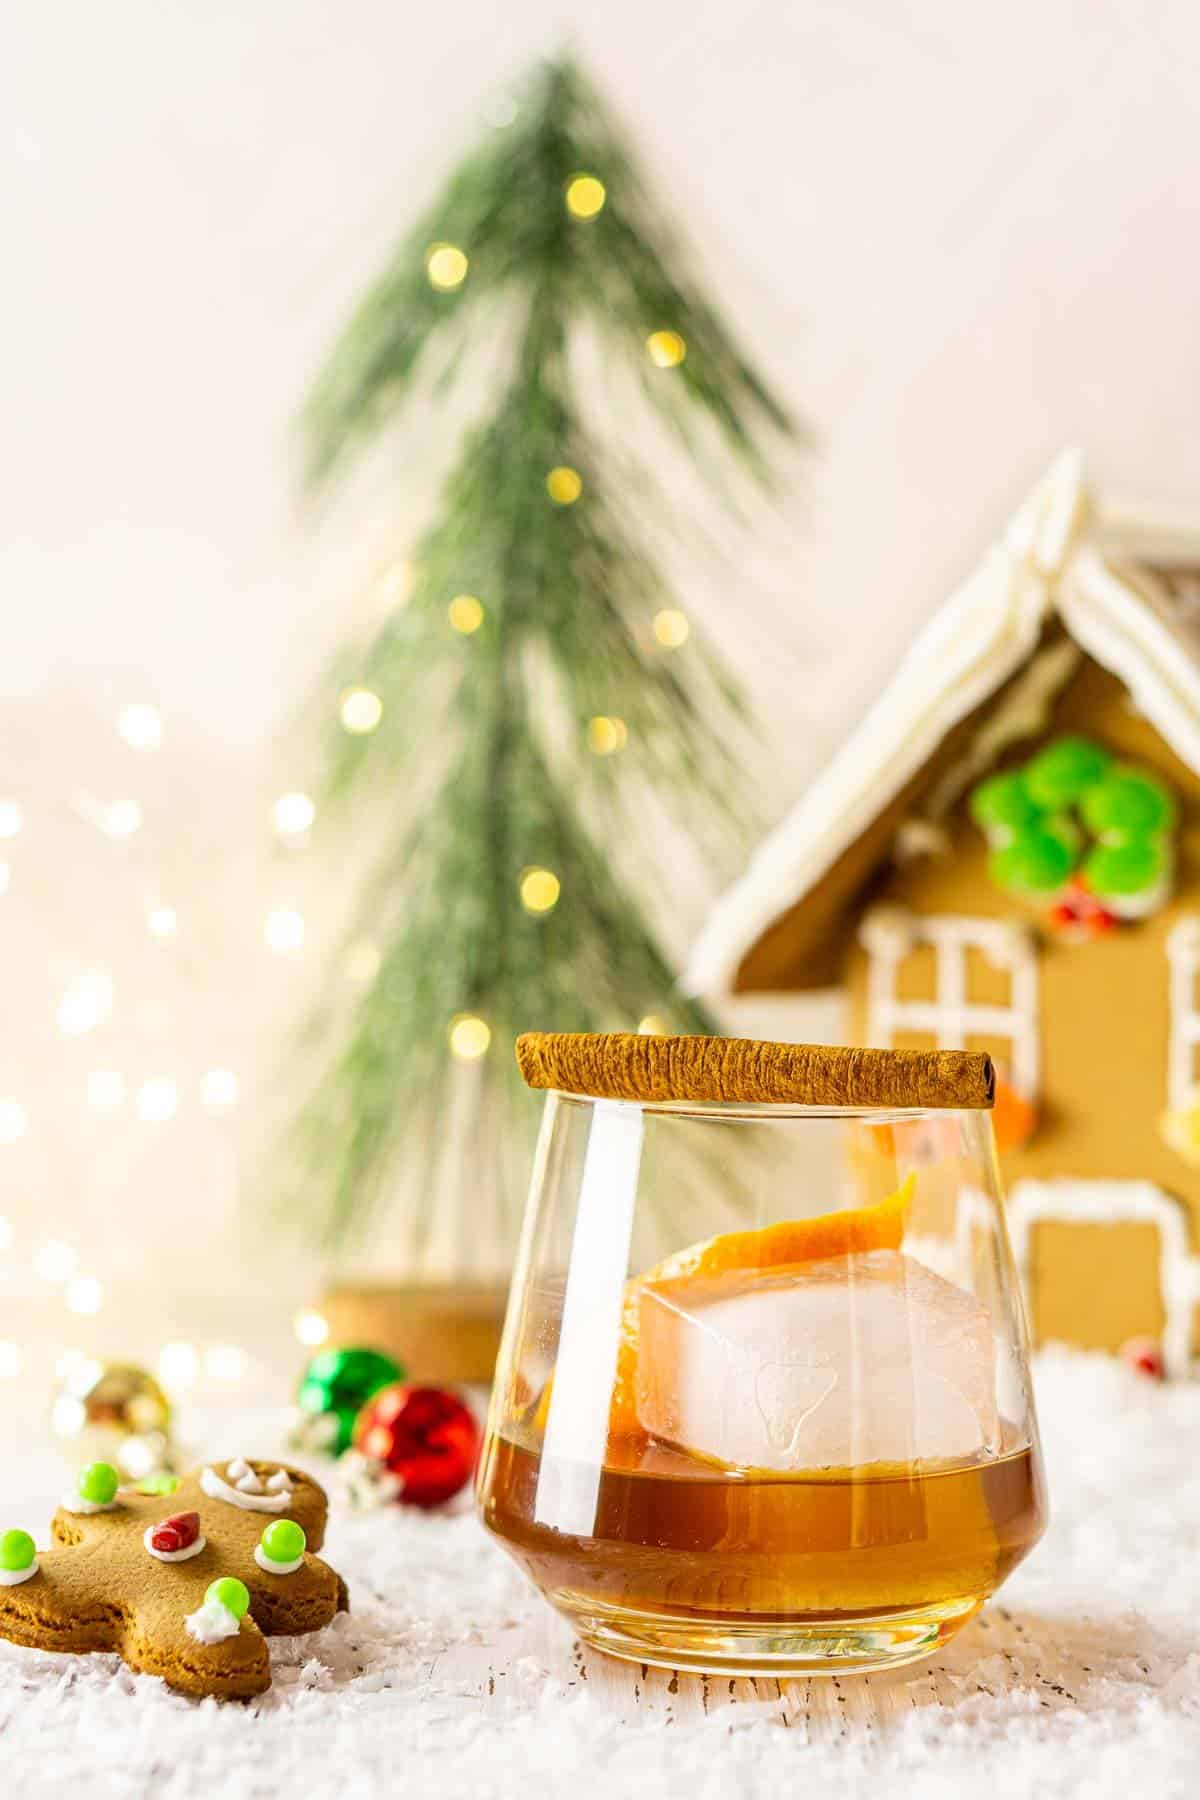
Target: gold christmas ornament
x=113, y=1412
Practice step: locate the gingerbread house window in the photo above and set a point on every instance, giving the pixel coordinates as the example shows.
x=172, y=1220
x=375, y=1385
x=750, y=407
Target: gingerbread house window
x=960, y=983
x=1183, y=953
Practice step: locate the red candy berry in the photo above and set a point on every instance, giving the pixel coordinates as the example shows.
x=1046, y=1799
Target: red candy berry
x=1145, y=1355
x=424, y=1436
x=176, y=1533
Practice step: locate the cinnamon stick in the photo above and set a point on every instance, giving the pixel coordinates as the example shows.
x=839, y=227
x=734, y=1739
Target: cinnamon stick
x=629, y=1066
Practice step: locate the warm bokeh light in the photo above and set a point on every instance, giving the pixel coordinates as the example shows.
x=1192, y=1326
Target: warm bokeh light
x=158, y=1100
x=310, y=1327
x=177, y=1366
x=162, y=921
x=606, y=735
x=361, y=962
x=671, y=628
x=564, y=485
x=360, y=710
x=84, y=1294
x=11, y=818
x=465, y=613
x=55, y=1261
x=540, y=889
x=585, y=196
x=446, y=266
x=219, y=1088
x=652, y=1026
x=284, y=928
x=11, y=1360
x=141, y=727
x=666, y=349
x=469, y=1037
x=86, y=1003
x=292, y=814
x=13, y=1121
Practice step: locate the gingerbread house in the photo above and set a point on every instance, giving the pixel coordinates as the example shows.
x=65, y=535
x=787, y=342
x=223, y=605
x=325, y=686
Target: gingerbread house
x=1006, y=856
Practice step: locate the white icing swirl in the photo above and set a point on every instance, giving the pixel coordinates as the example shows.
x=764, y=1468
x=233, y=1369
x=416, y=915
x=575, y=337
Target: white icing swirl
x=14, y=1577
x=212, y=1623
x=216, y=1489
x=274, y=1568
x=188, y=1551
x=75, y=1503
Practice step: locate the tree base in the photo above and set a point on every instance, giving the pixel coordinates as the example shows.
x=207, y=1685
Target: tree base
x=440, y=1331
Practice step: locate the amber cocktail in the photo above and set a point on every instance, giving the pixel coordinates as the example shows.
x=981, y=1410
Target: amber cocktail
x=802, y=1439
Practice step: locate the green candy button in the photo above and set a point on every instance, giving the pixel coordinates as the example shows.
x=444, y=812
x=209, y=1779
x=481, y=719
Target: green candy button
x=99, y=1483
x=283, y=1541
x=230, y=1593
x=16, y=1551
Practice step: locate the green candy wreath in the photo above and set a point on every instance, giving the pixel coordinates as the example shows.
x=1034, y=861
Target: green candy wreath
x=1073, y=815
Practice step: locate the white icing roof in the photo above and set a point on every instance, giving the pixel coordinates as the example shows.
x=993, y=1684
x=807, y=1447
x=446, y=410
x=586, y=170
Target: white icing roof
x=1048, y=560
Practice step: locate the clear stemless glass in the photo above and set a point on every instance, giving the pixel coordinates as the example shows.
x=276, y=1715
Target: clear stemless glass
x=763, y=1402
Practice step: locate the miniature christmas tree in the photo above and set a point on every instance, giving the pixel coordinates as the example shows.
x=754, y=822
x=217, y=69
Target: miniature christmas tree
x=510, y=718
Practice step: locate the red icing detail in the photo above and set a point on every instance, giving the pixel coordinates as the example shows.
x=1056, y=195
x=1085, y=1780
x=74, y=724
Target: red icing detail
x=1145, y=1355
x=425, y=1436
x=176, y=1533
x=1079, y=914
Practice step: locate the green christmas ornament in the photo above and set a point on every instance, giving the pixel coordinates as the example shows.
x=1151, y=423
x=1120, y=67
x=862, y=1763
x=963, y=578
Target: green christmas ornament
x=1062, y=773
x=334, y=1388
x=230, y=1593
x=98, y=1483
x=17, y=1551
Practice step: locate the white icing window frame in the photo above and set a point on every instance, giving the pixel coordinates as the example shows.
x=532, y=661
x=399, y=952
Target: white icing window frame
x=1080, y=1202
x=1183, y=957
x=889, y=934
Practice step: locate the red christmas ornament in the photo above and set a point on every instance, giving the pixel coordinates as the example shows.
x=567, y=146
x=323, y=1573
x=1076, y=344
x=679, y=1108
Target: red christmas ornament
x=176, y=1533
x=423, y=1436
x=1145, y=1355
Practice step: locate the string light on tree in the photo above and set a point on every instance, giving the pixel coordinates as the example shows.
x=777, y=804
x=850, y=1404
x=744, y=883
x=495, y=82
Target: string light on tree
x=362, y=962
x=84, y=1294
x=219, y=1088
x=284, y=929
x=141, y=727
x=310, y=1327
x=11, y=818
x=606, y=735
x=361, y=710
x=540, y=889
x=105, y=1090
x=469, y=1037
x=666, y=349
x=671, y=628
x=465, y=613
x=292, y=815
x=446, y=266
x=162, y=922
x=158, y=1100
x=564, y=485
x=585, y=196
x=14, y=1121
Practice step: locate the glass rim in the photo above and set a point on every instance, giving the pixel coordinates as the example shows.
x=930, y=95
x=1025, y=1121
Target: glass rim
x=760, y=1112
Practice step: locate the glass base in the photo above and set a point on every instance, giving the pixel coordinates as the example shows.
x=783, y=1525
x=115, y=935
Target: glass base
x=766, y=1646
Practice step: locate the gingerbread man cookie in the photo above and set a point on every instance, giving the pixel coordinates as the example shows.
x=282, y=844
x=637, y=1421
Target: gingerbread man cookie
x=186, y=1584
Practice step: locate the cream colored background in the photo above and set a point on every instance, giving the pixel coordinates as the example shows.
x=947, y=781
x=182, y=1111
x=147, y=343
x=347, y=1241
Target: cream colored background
x=957, y=236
